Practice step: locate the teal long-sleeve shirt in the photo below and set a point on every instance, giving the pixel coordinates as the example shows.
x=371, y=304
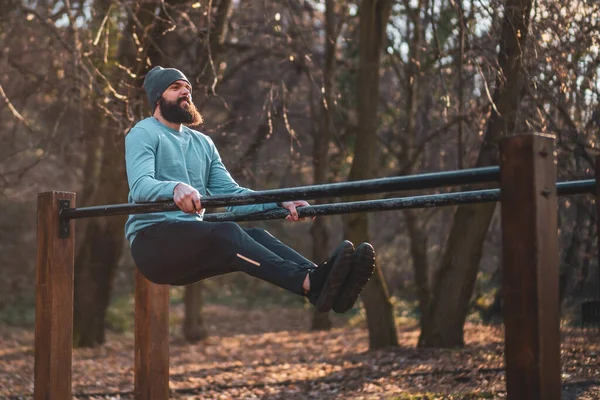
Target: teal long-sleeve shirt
x=158, y=158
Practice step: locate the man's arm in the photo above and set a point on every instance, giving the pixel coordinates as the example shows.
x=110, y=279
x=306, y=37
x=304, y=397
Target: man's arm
x=140, y=161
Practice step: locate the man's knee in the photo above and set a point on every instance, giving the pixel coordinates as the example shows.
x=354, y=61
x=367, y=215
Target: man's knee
x=226, y=229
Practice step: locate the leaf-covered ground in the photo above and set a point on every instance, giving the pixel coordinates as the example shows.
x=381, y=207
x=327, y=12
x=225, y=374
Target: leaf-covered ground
x=270, y=354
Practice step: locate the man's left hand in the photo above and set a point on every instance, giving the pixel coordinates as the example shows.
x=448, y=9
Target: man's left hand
x=291, y=207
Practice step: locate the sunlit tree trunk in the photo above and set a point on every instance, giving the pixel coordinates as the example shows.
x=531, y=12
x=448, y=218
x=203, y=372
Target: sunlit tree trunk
x=456, y=276
x=374, y=15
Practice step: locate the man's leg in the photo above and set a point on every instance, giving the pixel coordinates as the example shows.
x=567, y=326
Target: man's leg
x=184, y=252
x=348, y=287
x=276, y=246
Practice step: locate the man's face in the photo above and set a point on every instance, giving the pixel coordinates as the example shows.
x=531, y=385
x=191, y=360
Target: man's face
x=176, y=105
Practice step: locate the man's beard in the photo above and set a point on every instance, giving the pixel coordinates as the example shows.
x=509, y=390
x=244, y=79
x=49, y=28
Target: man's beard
x=175, y=113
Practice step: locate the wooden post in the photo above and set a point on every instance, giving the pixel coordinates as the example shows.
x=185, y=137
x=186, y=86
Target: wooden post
x=151, y=339
x=597, y=175
x=54, y=298
x=530, y=262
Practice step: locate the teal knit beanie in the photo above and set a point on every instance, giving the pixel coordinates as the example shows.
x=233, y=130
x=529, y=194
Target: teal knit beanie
x=157, y=80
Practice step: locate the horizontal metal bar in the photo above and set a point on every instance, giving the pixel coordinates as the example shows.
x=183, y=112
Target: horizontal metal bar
x=425, y=201
x=584, y=186
x=370, y=186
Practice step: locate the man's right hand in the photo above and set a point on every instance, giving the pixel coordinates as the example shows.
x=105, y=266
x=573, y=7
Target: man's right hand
x=187, y=198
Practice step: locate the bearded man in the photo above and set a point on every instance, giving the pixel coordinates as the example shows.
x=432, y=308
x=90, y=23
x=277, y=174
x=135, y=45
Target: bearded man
x=167, y=160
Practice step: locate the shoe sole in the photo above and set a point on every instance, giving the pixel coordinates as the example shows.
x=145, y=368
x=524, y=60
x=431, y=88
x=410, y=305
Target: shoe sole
x=362, y=270
x=338, y=274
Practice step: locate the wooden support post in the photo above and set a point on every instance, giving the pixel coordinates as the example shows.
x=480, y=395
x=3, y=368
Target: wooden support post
x=54, y=298
x=597, y=174
x=590, y=309
x=530, y=262
x=151, y=339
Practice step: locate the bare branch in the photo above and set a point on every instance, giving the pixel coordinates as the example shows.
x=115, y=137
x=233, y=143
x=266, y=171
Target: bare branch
x=485, y=85
x=13, y=110
x=101, y=28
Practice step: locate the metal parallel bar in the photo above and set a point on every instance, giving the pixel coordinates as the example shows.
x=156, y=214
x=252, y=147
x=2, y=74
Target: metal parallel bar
x=425, y=201
x=568, y=188
x=369, y=186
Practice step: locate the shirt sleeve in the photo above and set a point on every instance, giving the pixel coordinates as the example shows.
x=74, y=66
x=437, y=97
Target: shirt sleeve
x=140, y=161
x=220, y=182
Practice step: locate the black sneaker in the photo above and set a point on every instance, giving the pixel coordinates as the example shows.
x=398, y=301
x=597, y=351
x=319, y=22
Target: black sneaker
x=362, y=268
x=327, y=279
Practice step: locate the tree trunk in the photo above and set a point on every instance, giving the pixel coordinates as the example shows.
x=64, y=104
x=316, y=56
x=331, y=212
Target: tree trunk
x=418, y=250
x=193, y=323
x=460, y=58
x=321, y=139
x=374, y=15
x=414, y=218
x=493, y=315
x=101, y=250
x=194, y=328
x=456, y=276
x=94, y=148
x=103, y=241
x=572, y=260
x=320, y=231
x=320, y=235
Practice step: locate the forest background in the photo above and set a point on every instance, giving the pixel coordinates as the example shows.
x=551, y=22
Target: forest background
x=293, y=93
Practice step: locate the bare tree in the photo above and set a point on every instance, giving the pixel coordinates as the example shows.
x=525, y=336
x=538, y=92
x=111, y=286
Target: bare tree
x=321, y=139
x=456, y=276
x=103, y=239
x=374, y=15
x=194, y=328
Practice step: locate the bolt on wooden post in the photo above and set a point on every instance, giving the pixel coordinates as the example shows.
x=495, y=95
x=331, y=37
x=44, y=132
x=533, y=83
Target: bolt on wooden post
x=54, y=297
x=530, y=267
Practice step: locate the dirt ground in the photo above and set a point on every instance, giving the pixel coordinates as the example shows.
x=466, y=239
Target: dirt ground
x=270, y=354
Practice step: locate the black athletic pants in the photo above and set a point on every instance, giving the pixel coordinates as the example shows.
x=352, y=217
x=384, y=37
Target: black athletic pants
x=181, y=253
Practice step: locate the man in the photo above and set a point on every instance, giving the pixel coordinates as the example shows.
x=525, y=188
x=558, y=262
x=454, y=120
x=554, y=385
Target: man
x=167, y=160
